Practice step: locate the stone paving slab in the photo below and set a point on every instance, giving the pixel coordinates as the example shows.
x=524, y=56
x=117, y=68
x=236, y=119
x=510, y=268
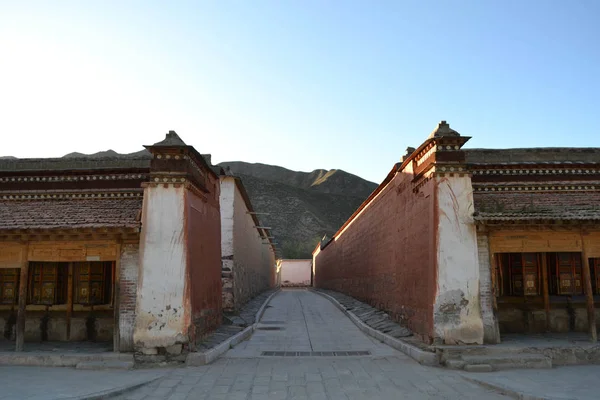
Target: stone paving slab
x=409, y=346
x=562, y=383
x=313, y=378
x=245, y=318
x=302, y=321
x=40, y=383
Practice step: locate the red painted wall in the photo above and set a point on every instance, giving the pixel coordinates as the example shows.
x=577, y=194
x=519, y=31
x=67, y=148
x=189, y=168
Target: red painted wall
x=386, y=256
x=204, y=259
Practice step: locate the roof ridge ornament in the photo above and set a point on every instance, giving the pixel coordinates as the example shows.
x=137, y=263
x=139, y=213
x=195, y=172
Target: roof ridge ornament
x=171, y=139
x=443, y=130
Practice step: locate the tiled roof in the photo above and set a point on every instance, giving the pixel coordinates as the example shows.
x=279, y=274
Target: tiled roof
x=72, y=164
x=563, y=216
x=569, y=205
x=70, y=213
x=540, y=155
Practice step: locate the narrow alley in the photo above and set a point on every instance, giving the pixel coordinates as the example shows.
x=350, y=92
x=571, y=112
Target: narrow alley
x=297, y=322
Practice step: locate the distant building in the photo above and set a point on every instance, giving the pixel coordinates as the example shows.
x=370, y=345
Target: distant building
x=295, y=272
x=121, y=248
x=464, y=245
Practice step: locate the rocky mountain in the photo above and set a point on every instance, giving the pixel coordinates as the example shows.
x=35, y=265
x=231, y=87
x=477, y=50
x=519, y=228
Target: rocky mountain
x=302, y=207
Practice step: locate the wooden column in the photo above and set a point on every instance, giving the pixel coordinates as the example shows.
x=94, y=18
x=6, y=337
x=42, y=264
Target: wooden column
x=69, y=300
x=24, y=278
x=115, y=300
x=546, y=289
x=591, y=311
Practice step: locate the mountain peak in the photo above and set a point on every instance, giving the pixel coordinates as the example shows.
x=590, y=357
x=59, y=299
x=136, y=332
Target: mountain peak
x=334, y=181
x=302, y=207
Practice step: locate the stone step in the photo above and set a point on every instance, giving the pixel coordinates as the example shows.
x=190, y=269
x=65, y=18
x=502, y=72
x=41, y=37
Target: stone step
x=48, y=359
x=508, y=361
x=107, y=364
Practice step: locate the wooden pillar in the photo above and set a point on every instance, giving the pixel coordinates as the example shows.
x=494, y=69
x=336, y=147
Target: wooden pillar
x=546, y=289
x=22, y=300
x=69, y=300
x=591, y=311
x=115, y=300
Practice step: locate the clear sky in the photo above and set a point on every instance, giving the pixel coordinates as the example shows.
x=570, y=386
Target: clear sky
x=301, y=84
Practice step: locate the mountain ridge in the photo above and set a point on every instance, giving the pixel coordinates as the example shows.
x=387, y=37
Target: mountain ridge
x=334, y=181
x=302, y=207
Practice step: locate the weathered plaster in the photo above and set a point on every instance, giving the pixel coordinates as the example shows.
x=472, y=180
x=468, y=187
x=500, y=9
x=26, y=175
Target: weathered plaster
x=296, y=272
x=491, y=333
x=456, y=311
x=226, y=201
x=162, y=308
x=246, y=261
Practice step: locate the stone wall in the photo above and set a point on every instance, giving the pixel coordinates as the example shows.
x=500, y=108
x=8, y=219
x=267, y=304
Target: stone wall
x=565, y=316
x=41, y=325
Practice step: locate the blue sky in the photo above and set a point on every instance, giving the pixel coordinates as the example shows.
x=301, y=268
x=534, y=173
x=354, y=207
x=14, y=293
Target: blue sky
x=301, y=84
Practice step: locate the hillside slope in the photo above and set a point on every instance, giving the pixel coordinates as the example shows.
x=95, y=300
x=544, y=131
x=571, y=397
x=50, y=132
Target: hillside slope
x=302, y=206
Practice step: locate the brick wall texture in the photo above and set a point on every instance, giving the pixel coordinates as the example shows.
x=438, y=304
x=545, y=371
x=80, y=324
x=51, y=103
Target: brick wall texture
x=203, y=224
x=386, y=256
x=128, y=280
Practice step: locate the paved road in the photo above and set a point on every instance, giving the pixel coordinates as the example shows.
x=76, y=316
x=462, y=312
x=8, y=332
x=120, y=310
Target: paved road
x=579, y=382
x=311, y=323
x=308, y=322
x=37, y=383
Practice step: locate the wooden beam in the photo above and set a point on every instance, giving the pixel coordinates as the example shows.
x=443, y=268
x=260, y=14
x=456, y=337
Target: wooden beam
x=69, y=299
x=22, y=300
x=591, y=310
x=546, y=289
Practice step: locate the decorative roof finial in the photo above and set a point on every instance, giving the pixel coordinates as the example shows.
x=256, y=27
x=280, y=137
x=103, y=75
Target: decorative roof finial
x=171, y=139
x=443, y=129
